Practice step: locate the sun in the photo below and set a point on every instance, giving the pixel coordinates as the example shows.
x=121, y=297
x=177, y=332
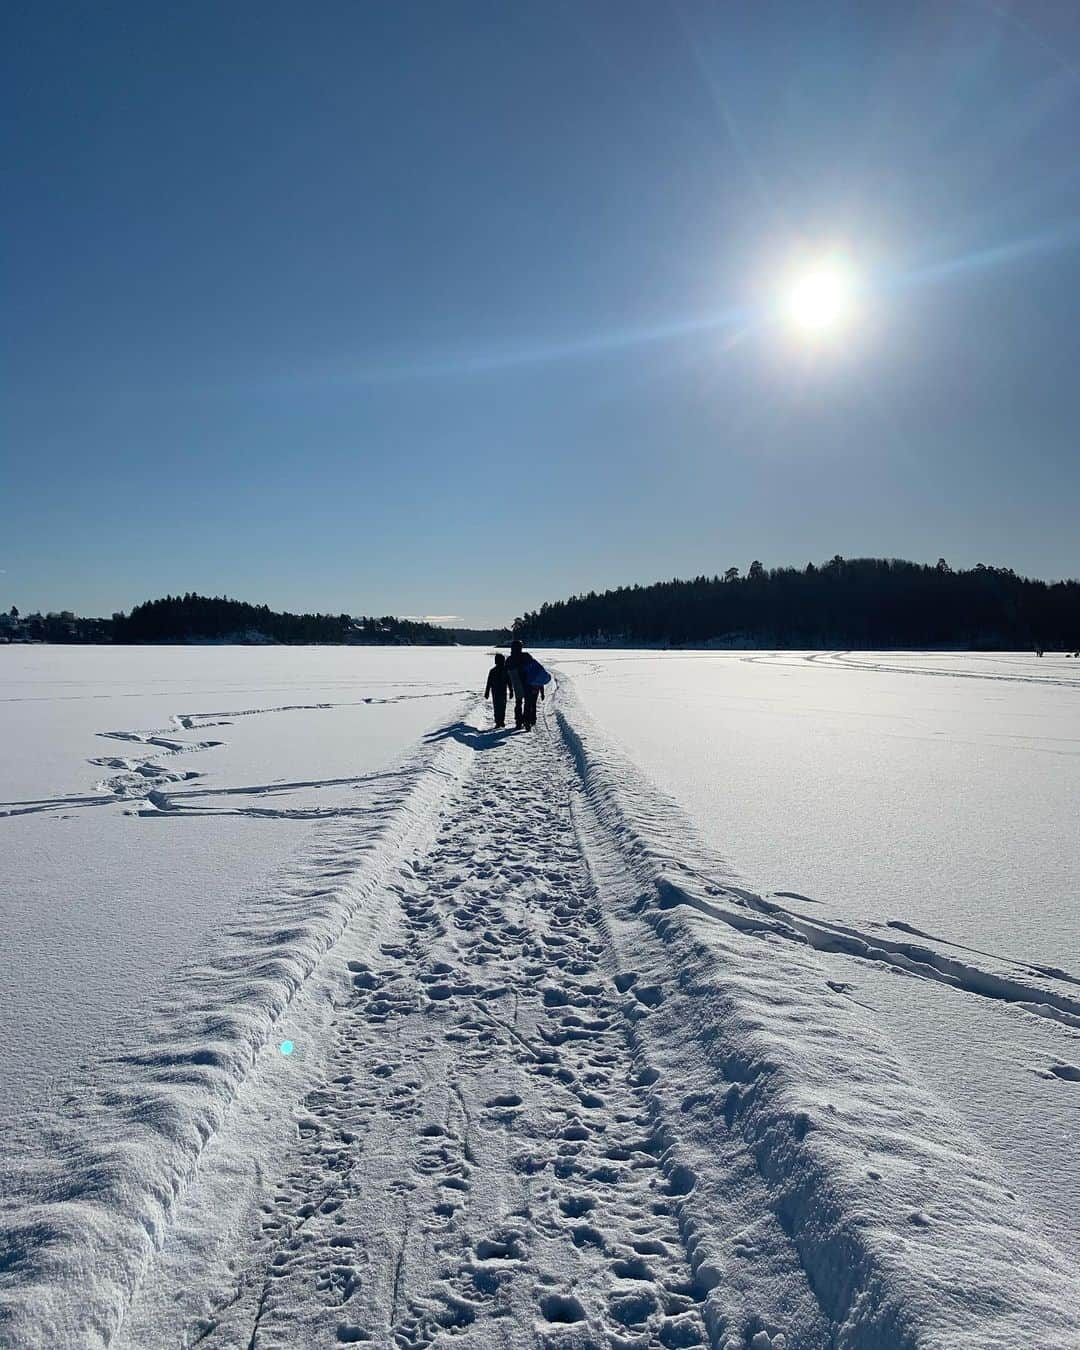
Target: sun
x=823, y=297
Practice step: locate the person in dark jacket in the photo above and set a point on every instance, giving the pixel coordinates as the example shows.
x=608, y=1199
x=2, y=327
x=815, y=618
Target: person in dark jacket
x=498, y=686
x=514, y=663
x=534, y=677
x=532, y=692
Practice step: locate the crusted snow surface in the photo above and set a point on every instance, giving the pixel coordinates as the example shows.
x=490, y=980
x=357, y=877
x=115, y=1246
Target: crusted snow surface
x=912, y=816
x=148, y=793
x=557, y=1078
x=907, y=1229
x=152, y=944
x=577, y=1087
x=481, y=1154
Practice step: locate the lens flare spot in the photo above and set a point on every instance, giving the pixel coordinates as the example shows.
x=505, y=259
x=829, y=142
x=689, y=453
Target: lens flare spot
x=286, y=1047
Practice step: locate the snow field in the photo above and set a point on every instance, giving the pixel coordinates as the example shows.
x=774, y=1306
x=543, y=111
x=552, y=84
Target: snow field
x=480, y=1153
x=912, y=817
x=936, y=788
x=147, y=793
x=561, y=1079
x=96, y=1183
x=907, y=1231
x=566, y=1104
x=156, y=926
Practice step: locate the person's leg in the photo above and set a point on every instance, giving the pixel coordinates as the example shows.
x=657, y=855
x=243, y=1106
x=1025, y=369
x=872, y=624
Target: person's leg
x=519, y=698
x=499, y=709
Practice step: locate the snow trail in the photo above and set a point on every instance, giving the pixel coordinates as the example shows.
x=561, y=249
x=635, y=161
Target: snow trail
x=567, y=1085
x=808, y=1136
x=483, y=1156
x=87, y=1192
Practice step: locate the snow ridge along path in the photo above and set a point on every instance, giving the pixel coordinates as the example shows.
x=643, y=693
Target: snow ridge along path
x=569, y=1101
x=482, y=1157
x=80, y=1219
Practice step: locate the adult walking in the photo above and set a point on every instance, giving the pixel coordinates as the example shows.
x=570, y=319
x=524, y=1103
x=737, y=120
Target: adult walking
x=534, y=677
x=532, y=693
x=527, y=671
x=514, y=663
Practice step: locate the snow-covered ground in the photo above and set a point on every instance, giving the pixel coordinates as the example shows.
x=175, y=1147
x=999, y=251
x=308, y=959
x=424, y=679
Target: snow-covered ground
x=599, y=1036
x=924, y=804
x=933, y=788
x=147, y=794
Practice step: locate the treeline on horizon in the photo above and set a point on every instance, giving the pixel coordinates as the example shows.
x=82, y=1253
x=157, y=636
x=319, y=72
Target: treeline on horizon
x=857, y=602
x=191, y=617
x=203, y=618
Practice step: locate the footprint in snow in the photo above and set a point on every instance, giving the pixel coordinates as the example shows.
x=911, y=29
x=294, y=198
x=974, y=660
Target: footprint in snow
x=562, y=1308
x=504, y=1106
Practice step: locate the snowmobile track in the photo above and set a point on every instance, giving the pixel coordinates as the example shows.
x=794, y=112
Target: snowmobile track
x=483, y=1163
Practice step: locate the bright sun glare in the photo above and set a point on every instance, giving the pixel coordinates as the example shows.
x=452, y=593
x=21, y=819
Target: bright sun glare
x=822, y=298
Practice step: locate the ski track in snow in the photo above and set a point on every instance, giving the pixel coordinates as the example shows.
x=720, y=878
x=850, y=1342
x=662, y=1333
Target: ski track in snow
x=851, y=660
x=533, y=1127
x=1027, y=986
x=576, y=1091
x=148, y=780
x=483, y=1157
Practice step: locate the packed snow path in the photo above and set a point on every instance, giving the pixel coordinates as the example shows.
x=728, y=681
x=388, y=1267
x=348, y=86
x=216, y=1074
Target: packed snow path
x=560, y=1080
x=567, y=1086
x=485, y=1158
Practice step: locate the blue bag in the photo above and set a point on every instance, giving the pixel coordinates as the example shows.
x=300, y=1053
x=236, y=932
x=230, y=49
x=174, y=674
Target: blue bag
x=534, y=674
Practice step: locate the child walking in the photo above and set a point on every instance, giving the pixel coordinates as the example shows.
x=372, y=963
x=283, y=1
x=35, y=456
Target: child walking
x=498, y=685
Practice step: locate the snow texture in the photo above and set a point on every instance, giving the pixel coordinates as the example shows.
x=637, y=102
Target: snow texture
x=559, y=1078
x=912, y=815
x=147, y=793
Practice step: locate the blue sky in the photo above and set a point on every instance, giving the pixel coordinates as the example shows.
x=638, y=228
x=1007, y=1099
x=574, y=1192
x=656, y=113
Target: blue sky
x=451, y=308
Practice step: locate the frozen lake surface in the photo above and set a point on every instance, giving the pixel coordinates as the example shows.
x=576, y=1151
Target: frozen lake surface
x=145, y=792
x=926, y=798
x=940, y=790
x=738, y=1005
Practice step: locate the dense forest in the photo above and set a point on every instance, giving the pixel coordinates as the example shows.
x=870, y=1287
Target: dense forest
x=184, y=618
x=858, y=602
x=202, y=618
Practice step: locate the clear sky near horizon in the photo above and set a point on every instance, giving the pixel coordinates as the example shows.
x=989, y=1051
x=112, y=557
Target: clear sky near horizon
x=451, y=308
